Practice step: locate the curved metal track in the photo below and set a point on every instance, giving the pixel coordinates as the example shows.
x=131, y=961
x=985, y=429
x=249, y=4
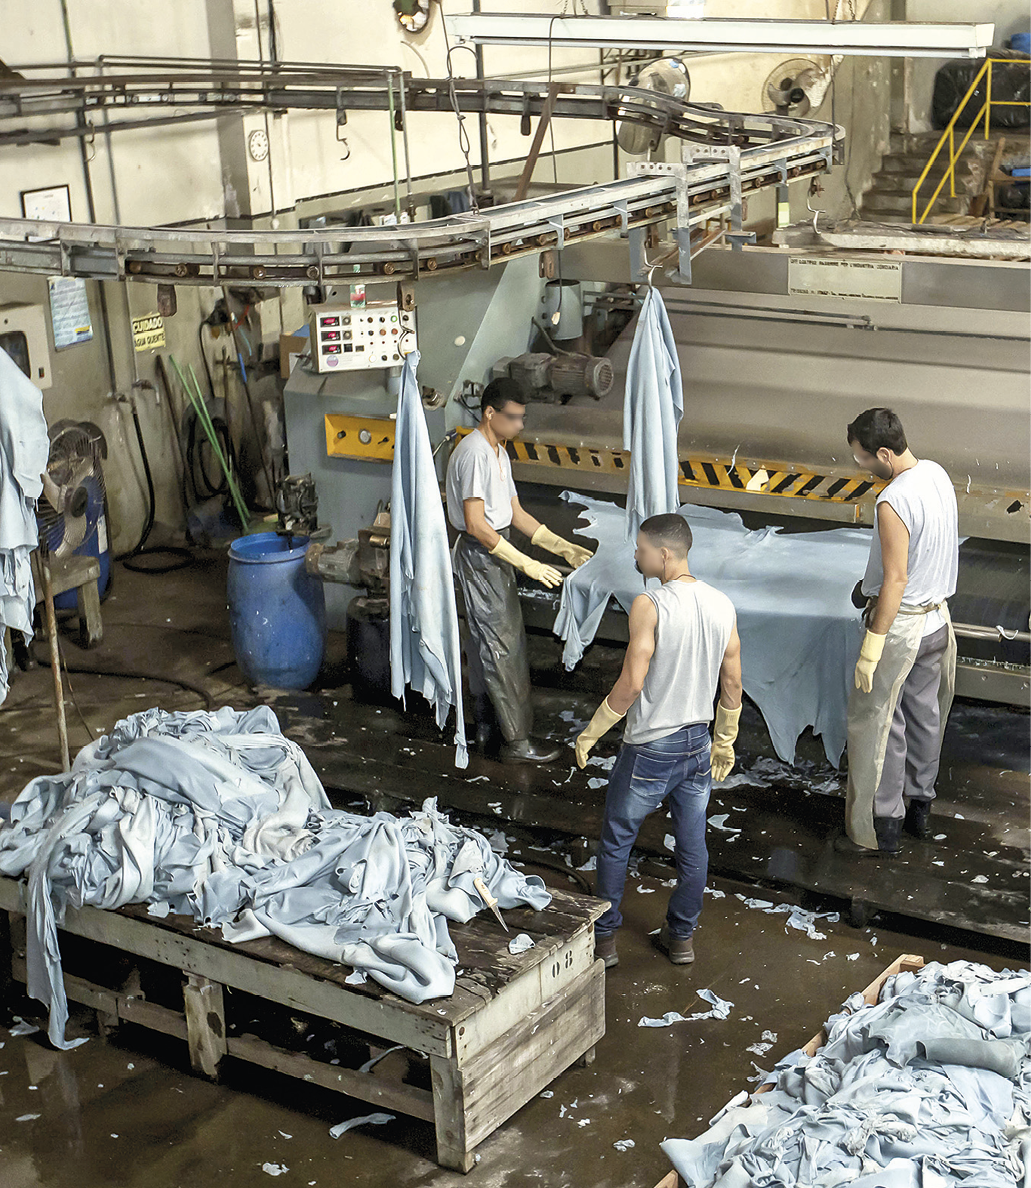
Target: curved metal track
x=61, y=101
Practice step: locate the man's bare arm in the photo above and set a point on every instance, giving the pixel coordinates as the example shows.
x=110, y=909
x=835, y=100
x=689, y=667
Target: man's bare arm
x=894, y=537
x=639, y=652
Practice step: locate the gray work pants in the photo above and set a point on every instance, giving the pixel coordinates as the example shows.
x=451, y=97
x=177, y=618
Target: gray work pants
x=914, y=741
x=494, y=638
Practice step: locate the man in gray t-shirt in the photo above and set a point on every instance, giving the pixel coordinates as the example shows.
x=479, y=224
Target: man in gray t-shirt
x=683, y=646
x=906, y=671
x=483, y=507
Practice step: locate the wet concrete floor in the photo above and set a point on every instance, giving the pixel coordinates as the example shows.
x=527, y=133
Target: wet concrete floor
x=125, y=1110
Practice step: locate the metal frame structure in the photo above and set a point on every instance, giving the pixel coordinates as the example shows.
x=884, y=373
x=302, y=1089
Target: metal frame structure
x=907, y=39
x=724, y=154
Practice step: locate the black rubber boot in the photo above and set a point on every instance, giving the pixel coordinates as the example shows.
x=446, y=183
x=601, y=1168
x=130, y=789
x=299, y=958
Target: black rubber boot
x=889, y=834
x=488, y=735
x=524, y=750
x=918, y=814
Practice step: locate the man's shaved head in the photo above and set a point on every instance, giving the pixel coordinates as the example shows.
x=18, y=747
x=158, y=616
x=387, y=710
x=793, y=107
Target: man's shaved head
x=668, y=531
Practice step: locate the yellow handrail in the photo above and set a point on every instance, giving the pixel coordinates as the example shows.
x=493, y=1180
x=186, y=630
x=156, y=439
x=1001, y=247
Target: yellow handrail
x=950, y=135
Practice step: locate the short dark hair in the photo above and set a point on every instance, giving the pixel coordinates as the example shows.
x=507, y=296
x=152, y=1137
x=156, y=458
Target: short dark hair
x=669, y=531
x=501, y=391
x=878, y=429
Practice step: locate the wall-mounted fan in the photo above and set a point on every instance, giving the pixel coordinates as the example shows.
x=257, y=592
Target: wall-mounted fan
x=668, y=76
x=71, y=513
x=796, y=87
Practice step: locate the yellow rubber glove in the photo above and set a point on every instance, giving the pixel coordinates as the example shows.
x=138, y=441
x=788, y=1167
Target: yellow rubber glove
x=869, y=655
x=605, y=717
x=723, y=738
x=547, y=575
x=573, y=553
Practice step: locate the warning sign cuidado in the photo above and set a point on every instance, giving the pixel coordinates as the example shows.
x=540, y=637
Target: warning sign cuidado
x=148, y=332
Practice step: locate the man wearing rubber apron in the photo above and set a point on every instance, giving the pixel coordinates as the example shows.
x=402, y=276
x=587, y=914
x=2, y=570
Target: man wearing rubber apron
x=483, y=506
x=906, y=673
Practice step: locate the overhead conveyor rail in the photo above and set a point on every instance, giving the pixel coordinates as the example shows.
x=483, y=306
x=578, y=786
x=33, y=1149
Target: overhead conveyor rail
x=725, y=154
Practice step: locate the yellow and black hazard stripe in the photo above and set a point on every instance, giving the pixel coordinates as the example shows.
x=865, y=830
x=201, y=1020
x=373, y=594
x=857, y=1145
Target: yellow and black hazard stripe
x=372, y=438
x=711, y=473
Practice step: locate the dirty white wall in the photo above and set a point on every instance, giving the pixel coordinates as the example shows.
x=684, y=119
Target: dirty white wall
x=200, y=173
x=1008, y=16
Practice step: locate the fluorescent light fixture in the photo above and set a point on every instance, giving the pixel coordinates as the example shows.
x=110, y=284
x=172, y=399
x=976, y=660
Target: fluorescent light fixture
x=900, y=39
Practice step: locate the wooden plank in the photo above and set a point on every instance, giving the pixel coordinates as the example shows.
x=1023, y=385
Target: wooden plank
x=151, y=1015
x=205, y=1024
x=449, y=1115
x=523, y=995
x=406, y=1099
x=484, y=960
x=283, y=985
x=127, y=1007
x=502, y=1078
x=670, y=1181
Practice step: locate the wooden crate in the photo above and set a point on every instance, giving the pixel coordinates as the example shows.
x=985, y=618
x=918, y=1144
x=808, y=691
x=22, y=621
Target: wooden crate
x=512, y=1025
x=906, y=963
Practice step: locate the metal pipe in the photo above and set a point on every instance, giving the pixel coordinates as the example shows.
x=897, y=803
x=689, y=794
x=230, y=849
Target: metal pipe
x=404, y=142
x=484, y=162
x=393, y=144
x=105, y=319
x=993, y=634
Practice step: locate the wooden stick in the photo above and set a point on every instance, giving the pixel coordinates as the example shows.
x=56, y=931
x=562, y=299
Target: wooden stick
x=55, y=662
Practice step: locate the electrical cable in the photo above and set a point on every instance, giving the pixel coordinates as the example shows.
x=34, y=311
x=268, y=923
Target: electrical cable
x=568, y=871
x=71, y=692
x=204, y=356
x=234, y=327
x=547, y=338
x=463, y=136
x=183, y=556
x=140, y=675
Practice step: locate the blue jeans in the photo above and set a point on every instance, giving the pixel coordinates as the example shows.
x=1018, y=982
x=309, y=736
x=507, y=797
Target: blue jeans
x=677, y=767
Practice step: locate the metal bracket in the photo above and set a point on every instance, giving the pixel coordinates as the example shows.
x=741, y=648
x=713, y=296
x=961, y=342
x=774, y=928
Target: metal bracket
x=737, y=239
x=682, y=231
x=635, y=239
x=682, y=275
x=560, y=231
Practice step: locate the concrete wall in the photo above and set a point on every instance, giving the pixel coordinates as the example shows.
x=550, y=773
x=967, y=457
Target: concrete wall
x=202, y=174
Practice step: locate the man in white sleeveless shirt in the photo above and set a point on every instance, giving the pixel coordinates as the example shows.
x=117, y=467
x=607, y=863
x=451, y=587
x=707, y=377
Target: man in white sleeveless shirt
x=906, y=672
x=683, y=641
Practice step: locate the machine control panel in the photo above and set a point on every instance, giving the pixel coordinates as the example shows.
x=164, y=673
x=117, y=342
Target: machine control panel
x=360, y=338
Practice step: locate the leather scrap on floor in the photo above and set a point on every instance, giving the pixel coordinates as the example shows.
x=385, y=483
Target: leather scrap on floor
x=928, y=1088
x=219, y=816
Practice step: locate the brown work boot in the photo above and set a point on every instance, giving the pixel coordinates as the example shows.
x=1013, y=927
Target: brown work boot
x=605, y=948
x=680, y=950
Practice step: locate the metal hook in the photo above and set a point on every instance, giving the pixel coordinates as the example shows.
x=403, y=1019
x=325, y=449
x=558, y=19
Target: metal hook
x=814, y=188
x=650, y=268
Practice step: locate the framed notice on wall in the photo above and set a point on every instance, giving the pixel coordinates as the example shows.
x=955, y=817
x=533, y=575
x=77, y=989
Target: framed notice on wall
x=50, y=205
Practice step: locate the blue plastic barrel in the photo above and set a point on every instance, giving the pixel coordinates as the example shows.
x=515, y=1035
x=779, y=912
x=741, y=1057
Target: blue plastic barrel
x=277, y=611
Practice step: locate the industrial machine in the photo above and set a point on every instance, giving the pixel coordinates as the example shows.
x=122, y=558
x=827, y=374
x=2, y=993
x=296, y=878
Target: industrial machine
x=772, y=375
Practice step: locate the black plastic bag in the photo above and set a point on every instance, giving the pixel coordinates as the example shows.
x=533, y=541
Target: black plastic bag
x=1011, y=82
